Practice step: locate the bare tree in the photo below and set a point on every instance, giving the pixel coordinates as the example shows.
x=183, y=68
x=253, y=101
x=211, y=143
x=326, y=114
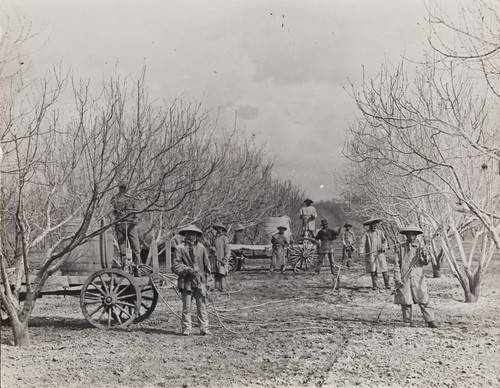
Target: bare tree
x=430, y=146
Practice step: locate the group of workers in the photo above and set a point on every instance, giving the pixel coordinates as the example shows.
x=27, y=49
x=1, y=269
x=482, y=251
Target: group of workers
x=194, y=263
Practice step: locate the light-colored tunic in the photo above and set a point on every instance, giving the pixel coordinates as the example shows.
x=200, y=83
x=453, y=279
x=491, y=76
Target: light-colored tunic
x=411, y=259
x=280, y=242
x=372, y=246
x=305, y=213
x=220, y=256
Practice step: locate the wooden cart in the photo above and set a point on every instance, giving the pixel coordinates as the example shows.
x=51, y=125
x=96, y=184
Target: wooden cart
x=109, y=297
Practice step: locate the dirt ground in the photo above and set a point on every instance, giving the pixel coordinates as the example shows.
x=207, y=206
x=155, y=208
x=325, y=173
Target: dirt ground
x=273, y=331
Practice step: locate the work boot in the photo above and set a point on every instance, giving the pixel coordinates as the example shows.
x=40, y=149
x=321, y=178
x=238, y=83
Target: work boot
x=432, y=325
x=385, y=275
x=374, y=281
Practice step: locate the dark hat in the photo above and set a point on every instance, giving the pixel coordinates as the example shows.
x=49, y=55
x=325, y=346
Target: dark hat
x=324, y=222
x=411, y=229
x=373, y=220
x=308, y=200
x=219, y=225
x=191, y=228
x=347, y=224
x=282, y=227
x=239, y=227
x=122, y=184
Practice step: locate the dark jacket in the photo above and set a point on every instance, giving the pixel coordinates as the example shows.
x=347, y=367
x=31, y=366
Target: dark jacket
x=184, y=266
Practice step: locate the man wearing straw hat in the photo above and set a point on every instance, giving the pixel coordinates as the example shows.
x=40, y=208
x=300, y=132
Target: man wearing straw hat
x=373, y=246
x=409, y=276
x=308, y=215
x=220, y=256
x=280, y=242
x=347, y=243
x=192, y=265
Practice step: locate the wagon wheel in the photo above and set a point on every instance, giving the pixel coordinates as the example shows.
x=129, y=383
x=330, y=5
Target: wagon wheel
x=110, y=298
x=303, y=256
x=233, y=262
x=149, y=300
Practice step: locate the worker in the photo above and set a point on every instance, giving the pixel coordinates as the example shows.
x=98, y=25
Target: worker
x=192, y=265
x=280, y=242
x=308, y=215
x=220, y=255
x=125, y=216
x=348, y=239
x=239, y=234
x=373, y=246
x=411, y=287
x=324, y=239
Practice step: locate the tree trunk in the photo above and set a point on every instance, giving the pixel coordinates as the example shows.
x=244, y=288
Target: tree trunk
x=20, y=332
x=436, y=270
x=473, y=289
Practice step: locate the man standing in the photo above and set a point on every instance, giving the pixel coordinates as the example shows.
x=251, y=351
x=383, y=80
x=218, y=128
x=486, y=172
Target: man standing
x=308, y=215
x=239, y=234
x=192, y=265
x=220, y=256
x=347, y=244
x=373, y=246
x=409, y=276
x=126, y=225
x=324, y=239
x=280, y=242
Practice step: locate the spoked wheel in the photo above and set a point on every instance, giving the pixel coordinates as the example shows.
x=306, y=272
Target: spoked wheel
x=110, y=299
x=149, y=300
x=303, y=256
x=234, y=261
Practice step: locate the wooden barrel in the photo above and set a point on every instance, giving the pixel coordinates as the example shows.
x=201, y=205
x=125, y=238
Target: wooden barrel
x=86, y=258
x=270, y=225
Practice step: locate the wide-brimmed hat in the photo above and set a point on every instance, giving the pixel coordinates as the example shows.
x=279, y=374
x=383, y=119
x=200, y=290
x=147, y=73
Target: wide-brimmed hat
x=307, y=200
x=190, y=228
x=324, y=222
x=411, y=229
x=282, y=227
x=239, y=227
x=347, y=224
x=373, y=220
x=219, y=225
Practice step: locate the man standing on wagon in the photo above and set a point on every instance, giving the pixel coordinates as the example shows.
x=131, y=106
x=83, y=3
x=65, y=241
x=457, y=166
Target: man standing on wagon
x=373, y=246
x=126, y=224
x=192, y=265
x=308, y=214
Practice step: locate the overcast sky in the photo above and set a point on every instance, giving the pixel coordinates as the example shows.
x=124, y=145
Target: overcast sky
x=281, y=65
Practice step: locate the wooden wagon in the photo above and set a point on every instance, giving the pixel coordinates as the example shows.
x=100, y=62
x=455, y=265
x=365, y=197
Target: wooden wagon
x=109, y=297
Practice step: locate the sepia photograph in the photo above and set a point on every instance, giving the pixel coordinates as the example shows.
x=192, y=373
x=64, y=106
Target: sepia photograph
x=258, y=193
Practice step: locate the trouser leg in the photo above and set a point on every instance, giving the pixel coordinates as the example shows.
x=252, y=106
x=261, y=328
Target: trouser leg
x=387, y=284
x=120, y=239
x=135, y=246
x=406, y=310
x=427, y=312
x=330, y=260
x=217, y=281
x=186, y=311
x=374, y=280
x=223, y=282
x=321, y=257
x=201, y=309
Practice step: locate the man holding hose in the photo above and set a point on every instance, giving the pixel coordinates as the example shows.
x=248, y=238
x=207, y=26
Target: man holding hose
x=409, y=276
